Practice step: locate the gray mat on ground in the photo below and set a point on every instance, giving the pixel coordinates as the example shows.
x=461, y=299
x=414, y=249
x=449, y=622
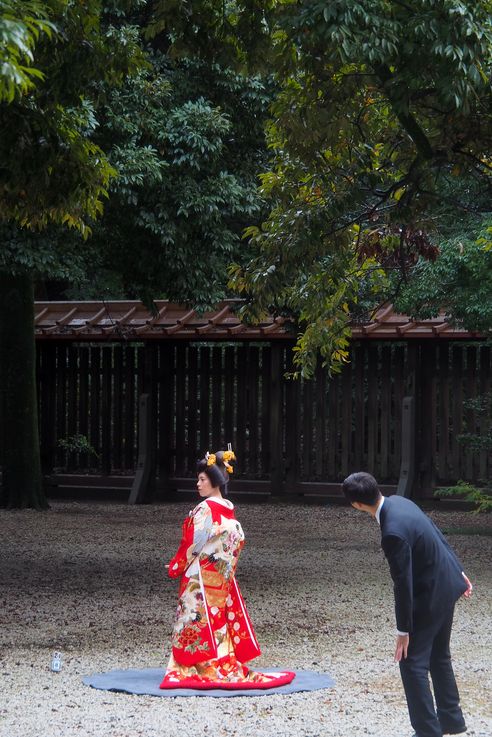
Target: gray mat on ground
x=147, y=680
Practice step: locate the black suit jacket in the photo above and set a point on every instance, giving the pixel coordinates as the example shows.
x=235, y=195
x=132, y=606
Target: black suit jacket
x=426, y=573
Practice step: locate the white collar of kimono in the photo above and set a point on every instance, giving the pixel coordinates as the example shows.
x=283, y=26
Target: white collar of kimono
x=219, y=500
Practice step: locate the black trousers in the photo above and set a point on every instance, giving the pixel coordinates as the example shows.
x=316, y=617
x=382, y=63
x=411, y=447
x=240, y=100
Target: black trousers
x=428, y=652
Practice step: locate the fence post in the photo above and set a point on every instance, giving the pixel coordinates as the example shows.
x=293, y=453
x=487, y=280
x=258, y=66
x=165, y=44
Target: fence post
x=407, y=467
x=141, y=487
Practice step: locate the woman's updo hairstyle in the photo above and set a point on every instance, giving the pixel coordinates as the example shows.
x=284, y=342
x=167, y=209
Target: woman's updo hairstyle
x=217, y=466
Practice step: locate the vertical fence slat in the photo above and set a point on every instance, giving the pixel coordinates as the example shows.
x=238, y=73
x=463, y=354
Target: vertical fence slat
x=266, y=439
x=252, y=383
x=106, y=409
x=320, y=423
x=192, y=408
x=95, y=384
x=443, y=426
x=151, y=381
x=166, y=412
x=427, y=415
x=485, y=418
x=61, y=399
x=457, y=384
x=332, y=458
x=117, y=407
x=241, y=408
x=83, y=402
x=129, y=409
x=470, y=417
x=216, y=402
x=292, y=423
x=307, y=426
x=385, y=418
x=180, y=437
x=349, y=430
x=276, y=418
x=372, y=409
x=47, y=387
x=72, y=390
x=398, y=394
x=359, y=402
x=229, y=399
x=204, y=400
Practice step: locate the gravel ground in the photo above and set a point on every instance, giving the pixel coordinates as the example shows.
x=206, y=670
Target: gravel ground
x=89, y=580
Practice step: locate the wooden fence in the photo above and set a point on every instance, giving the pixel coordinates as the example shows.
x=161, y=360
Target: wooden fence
x=289, y=436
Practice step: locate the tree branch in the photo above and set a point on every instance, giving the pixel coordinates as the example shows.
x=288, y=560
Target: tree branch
x=407, y=120
x=473, y=158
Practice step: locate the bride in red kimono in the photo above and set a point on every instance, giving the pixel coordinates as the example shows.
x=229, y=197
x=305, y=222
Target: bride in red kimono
x=213, y=636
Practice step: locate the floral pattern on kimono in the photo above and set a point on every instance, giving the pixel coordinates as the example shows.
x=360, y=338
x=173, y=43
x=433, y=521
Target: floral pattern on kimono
x=213, y=636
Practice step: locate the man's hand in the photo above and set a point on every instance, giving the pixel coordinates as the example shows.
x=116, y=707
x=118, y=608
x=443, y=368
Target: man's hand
x=401, y=647
x=469, y=589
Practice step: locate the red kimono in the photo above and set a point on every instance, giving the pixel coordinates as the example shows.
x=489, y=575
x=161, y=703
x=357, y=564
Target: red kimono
x=213, y=636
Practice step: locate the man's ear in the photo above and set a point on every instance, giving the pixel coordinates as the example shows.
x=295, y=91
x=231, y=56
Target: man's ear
x=358, y=505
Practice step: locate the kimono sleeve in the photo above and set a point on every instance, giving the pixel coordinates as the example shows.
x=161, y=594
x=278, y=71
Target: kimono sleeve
x=197, y=529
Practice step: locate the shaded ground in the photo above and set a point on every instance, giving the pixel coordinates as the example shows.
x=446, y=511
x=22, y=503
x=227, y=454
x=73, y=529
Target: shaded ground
x=89, y=580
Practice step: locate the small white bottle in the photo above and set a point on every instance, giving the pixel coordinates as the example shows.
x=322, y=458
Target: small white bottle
x=56, y=662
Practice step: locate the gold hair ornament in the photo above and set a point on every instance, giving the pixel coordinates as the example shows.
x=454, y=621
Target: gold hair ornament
x=211, y=458
x=228, y=455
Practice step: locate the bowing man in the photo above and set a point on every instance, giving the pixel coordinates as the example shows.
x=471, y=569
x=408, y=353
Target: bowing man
x=428, y=580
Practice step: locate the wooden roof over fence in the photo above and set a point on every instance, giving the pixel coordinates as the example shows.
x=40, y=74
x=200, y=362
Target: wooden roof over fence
x=131, y=320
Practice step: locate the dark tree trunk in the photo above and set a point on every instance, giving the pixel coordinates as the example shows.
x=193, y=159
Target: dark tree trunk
x=22, y=483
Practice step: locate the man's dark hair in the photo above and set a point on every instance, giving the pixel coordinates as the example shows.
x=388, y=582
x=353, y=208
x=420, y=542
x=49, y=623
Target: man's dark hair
x=361, y=487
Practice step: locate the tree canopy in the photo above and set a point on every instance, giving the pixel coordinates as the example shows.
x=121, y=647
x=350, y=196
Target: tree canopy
x=384, y=109
x=187, y=141
x=381, y=131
